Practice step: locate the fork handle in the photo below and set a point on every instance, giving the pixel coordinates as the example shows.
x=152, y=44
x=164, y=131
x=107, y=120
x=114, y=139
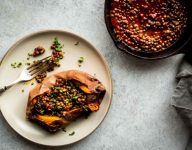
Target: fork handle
x=3, y=89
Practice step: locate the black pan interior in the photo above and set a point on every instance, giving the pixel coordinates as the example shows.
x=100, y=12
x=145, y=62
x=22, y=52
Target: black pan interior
x=174, y=49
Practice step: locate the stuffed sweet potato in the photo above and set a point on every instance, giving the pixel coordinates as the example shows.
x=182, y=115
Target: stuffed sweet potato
x=63, y=97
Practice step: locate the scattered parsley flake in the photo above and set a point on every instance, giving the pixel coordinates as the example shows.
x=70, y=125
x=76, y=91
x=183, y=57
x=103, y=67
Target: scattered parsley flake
x=72, y=133
x=13, y=65
x=85, y=108
x=64, y=130
x=19, y=64
x=57, y=88
x=16, y=65
x=81, y=59
x=77, y=84
x=28, y=64
x=30, y=54
x=42, y=111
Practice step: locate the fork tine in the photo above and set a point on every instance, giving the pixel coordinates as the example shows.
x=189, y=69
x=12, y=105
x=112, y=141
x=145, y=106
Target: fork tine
x=39, y=62
x=38, y=67
x=41, y=71
x=36, y=72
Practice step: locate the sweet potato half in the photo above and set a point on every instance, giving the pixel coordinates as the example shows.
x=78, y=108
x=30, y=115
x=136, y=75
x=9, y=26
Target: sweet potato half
x=63, y=97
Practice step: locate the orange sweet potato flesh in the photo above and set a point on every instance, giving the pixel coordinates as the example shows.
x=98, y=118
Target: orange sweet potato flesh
x=48, y=119
x=88, y=84
x=93, y=106
x=51, y=123
x=85, y=89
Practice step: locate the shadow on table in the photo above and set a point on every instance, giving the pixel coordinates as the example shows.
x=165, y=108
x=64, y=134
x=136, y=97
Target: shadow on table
x=122, y=60
x=189, y=146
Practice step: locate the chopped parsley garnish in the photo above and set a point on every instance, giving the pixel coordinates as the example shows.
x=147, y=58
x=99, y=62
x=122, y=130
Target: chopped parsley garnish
x=71, y=84
x=64, y=130
x=75, y=97
x=16, y=65
x=85, y=108
x=56, y=41
x=30, y=54
x=19, y=64
x=53, y=112
x=80, y=61
x=57, y=44
x=59, y=89
x=42, y=111
x=28, y=64
x=77, y=85
x=72, y=133
x=54, y=96
x=13, y=65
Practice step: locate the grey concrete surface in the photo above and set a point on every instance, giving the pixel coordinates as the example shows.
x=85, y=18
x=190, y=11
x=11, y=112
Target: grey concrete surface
x=140, y=117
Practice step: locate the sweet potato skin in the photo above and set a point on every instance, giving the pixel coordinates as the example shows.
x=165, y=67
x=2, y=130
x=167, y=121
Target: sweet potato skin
x=89, y=84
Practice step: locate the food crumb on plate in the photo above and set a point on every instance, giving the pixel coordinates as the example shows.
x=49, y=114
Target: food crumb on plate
x=77, y=43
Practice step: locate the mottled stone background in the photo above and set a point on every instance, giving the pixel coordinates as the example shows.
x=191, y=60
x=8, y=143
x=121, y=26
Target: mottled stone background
x=140, y=117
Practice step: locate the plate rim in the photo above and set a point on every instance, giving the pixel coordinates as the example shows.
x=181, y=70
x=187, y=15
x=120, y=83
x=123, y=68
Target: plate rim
x=41, y=31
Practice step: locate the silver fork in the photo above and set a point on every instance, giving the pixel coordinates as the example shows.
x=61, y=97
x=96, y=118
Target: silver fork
x=30, y=72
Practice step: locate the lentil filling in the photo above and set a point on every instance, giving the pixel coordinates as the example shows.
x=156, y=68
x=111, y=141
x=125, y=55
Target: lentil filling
x=63, y=97
x=148, y=25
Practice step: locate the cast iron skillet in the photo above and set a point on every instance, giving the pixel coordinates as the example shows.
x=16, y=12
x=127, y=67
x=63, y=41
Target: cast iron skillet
x=183, y=45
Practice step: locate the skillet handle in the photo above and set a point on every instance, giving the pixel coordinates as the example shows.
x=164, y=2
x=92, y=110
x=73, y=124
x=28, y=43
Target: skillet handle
x=187, y=49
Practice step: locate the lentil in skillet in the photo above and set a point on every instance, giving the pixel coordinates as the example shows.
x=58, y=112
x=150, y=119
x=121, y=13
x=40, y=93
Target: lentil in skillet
x=148, y=25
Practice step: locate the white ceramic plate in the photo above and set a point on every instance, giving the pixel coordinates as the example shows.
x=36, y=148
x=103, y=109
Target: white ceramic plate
x=13, y=102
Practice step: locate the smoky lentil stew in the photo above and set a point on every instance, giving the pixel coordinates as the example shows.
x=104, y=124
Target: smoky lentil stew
x=148, y=25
